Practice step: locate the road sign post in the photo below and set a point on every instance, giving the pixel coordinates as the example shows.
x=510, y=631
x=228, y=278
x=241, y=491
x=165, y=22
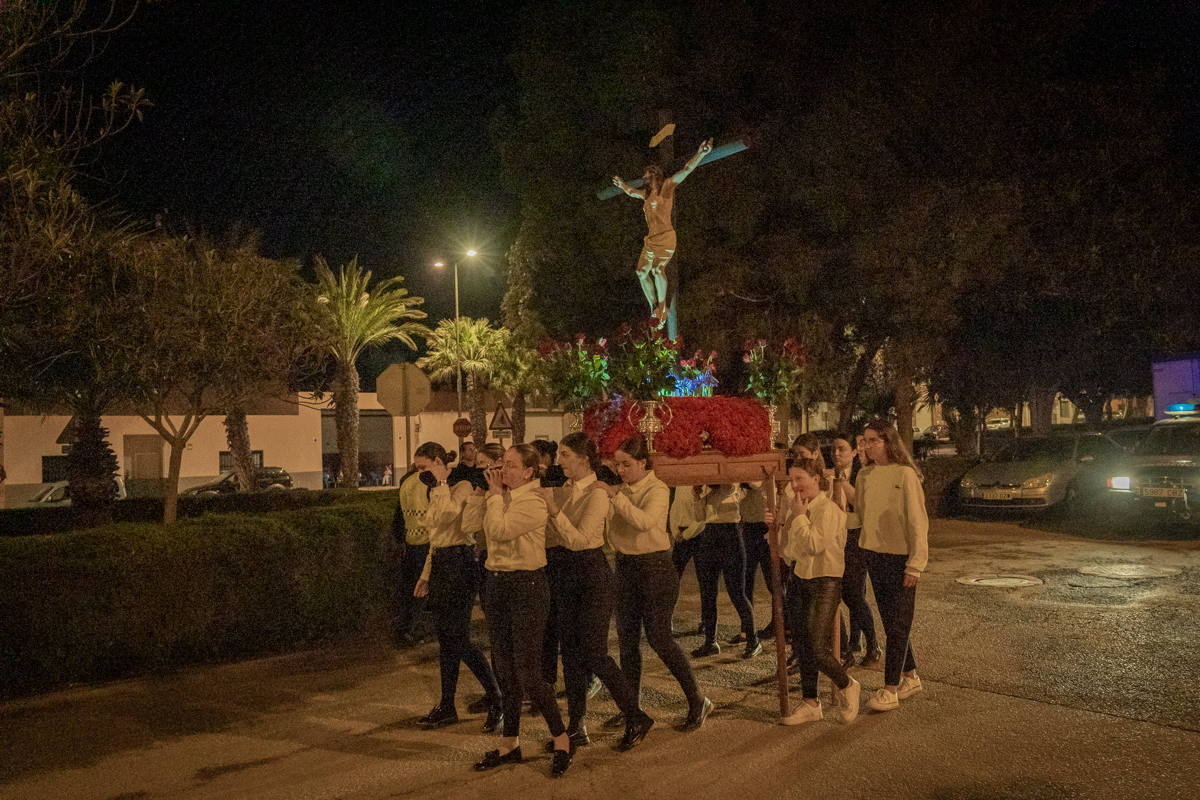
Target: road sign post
x=403, y=390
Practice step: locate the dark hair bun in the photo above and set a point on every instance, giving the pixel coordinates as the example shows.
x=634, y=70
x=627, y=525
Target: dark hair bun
x=450, y=456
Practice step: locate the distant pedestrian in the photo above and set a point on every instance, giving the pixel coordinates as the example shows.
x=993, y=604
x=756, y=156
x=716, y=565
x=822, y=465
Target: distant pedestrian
x=895, y=542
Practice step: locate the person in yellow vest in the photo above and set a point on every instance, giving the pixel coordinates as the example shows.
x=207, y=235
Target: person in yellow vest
x=413, y=623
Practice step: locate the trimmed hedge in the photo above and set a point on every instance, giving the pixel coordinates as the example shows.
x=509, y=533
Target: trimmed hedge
x=127, y=599
x=39, y=521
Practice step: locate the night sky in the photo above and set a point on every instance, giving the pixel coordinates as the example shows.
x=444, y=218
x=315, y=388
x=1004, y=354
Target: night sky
x=365, y=128
x=331, y=128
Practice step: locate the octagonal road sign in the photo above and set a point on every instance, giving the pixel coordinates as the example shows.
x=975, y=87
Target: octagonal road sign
x=403, y=389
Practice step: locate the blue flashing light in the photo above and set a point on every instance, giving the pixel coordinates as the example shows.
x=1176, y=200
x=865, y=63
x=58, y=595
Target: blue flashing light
x=1183, y=408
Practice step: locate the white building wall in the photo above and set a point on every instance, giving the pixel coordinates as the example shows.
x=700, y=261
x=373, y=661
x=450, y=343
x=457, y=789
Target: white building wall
x=291, y=441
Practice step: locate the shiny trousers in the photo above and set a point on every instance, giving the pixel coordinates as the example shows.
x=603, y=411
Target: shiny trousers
x=814, y=603
x=453, y=581
x=720, y=551
x=647, y=588
x=517, y=605
x=897, y=604
x=583, y=591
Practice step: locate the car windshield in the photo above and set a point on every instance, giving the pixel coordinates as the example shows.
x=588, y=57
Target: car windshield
x=1172, y=440
x=1037, y=450
x=40, y=496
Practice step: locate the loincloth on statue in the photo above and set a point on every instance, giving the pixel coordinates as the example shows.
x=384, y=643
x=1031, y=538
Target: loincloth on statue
x=660, y=243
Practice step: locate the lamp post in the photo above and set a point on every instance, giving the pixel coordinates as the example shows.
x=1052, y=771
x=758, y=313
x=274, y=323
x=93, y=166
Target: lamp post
x=457, y=331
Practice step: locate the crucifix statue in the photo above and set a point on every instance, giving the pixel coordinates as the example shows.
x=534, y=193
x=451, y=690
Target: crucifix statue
x=657, y=194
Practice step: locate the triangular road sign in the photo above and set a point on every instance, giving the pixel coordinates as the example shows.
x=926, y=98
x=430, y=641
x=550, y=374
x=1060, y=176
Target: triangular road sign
x=501, y=421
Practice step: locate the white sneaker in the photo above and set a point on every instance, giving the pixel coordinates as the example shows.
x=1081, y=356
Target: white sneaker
x=884, y=700
x=908, y=687
x=804, y=713
x=850, y=698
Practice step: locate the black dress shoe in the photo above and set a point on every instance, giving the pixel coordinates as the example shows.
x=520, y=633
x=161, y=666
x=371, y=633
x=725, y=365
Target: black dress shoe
x=696, y=717
x=562, y=760
x=492, y=759
x=439, y=716
x=615, y=721
x=635, y=732
x=495, y=719
x=752, y=649
x=741, y=637
x=767, y=632
x=706, y=649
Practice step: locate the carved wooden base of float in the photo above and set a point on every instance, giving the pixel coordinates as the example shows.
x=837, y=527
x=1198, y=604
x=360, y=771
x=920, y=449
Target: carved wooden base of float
x=713, y=467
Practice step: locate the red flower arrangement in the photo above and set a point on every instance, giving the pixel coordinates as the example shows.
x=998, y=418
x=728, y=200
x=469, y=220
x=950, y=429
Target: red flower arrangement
x=735, y=426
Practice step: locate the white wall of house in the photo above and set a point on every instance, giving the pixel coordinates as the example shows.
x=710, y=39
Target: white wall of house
x=291, y=441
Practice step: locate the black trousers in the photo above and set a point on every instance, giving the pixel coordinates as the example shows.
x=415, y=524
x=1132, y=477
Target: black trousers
x=453, y=581
x=721, y=552
x=682, y=552
x=413, y=613
x=518, y=603
x=896, y=606
x=814, y=607
x=583, y=593
x=758, y=555
x=854, y=594
x=647, y=588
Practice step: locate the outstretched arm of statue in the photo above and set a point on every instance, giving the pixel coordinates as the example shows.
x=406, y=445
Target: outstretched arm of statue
x=626, y=188
x=693, y=162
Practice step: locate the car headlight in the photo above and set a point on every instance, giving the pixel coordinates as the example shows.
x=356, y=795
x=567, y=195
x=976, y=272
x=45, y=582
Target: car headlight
x=1038, y=482
x=1123, y=483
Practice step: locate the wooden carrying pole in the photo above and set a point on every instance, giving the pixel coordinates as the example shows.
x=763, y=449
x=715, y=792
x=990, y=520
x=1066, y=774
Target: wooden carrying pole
x=776, y=595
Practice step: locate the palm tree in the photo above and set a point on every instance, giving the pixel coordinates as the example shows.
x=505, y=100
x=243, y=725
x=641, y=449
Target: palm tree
x=474, y=345
x=517, y=374
x=353, y=319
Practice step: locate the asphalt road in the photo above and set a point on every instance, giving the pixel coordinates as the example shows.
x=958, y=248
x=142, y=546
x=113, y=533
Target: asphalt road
x=1083, y=686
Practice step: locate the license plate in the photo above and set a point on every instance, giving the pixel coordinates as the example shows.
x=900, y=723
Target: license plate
x=1155, y=491
x=996, y=494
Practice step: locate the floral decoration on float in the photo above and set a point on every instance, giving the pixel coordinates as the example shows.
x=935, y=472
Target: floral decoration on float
x=703, y=440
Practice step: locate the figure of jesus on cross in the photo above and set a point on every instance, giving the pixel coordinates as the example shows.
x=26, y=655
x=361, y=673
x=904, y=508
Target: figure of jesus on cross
x=658, y=201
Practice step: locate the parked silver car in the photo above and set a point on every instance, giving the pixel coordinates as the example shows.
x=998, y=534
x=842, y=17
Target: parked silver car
x=1040, y=472
x=59, y=494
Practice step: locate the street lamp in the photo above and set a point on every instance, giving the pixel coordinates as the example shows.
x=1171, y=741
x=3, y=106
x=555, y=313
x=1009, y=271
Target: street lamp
x=457, y=330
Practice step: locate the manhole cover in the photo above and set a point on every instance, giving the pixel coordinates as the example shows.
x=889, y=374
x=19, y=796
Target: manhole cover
x=1000, y=581
x=1128, y=571
x=1094, y=582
